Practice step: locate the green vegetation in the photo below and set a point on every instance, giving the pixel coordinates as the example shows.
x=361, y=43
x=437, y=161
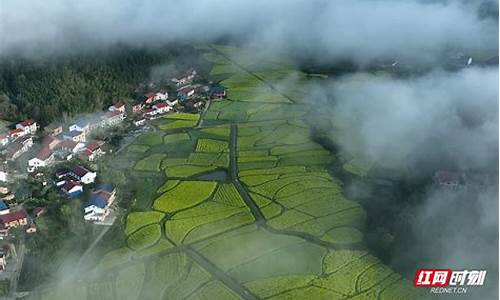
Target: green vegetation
x=150, y=163
x=209, y=145
x=145, y=237
x=185, y=194
x=138, y=220
x=176, y=137
x=284, y=172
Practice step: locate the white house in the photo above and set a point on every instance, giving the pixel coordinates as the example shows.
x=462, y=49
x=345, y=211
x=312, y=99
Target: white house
x=28, y=126
x=161, y=95
x=185, y=78
x=44, y=157
x=83, y=175
x=80, y=125
x=75, y=136
x=162, y=108
x=97, y=208
x=72, y=188
x=118, y=106
x=139, y=121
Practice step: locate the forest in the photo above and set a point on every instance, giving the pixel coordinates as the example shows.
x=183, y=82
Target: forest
x=61, y=86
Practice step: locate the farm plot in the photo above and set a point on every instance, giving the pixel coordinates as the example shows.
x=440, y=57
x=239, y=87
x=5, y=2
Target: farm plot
x=144, y=237
x=136, y=220
x=149, y=139
x=150, y=163
x=224, y=212
x=184, y=195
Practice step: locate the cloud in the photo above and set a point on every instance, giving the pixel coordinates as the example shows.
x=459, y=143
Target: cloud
x=441, y=116
x=360, y=30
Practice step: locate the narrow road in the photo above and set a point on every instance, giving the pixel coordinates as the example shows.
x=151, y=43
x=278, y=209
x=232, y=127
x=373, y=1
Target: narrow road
x=242, y=291
x=233, y=174
x=260, y=220
x=17, y=270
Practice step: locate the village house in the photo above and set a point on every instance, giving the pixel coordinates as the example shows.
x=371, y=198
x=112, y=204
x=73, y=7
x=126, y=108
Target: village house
x=4, y=208
x=31, y=228
x=97, y=208
x=161, y=95
x=137, y=107
x=38, y=211
x=28, y=126
x=185, y=78
x=83, y=175
x=53, y=129
x=43, y=158
x=113, y=118
x=72, y=188
x=92, y=151
x=449, y=179
x=82, y=125
x=217, y=91
x=149, y=98
x=140, y=121
x=150, y=113
x=16, y=133
x=50, y=142
x=12, y=220
x=186, y=92
x=162, y=108
x=17, y=148
x=75, y=136
x=70, y=147
x=4, y=139
x=118, y=106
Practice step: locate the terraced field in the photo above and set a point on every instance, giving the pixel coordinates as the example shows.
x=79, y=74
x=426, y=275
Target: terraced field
x=275, y=226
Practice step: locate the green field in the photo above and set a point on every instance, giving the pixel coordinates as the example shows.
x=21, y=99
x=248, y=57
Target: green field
x=278, y=225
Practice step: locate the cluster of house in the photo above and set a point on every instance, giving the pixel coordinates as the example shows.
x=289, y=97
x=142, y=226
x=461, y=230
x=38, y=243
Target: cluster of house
x=19, y=140
x=154, y=104
x=65, y=145
x=71, y=181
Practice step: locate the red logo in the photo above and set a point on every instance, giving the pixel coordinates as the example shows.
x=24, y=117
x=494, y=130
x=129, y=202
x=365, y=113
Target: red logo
x=432, y=277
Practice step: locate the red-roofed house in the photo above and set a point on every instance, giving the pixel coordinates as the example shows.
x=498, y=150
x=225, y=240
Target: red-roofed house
x=84, y=175
x=92, y=151
x=149, y=98
x=72, y=188
x=38, y=211
x=28, y=126
x=118, y=106
x=50, y=142
x=15, y=133
x=12, y=220
x=44, y=157
x=162, y=108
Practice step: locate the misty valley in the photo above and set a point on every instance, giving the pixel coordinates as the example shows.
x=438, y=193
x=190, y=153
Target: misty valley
x=343, y=150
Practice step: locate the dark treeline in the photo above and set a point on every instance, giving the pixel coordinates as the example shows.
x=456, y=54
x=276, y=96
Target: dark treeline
x=62, y=86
